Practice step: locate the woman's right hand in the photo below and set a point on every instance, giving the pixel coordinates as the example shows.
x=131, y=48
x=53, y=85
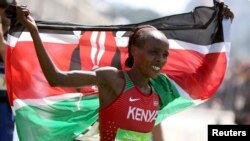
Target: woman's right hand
x=25, y=18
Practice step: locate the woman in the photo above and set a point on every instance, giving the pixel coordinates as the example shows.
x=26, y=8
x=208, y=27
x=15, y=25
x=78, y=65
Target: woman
x=126, y=94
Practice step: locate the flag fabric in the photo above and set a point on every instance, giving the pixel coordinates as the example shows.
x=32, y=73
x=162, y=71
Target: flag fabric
x=199, y=55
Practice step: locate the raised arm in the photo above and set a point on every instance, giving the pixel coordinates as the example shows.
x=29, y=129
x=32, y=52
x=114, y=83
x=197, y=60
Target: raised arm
x=4, y=24
x=2, y=41
x=54, y=76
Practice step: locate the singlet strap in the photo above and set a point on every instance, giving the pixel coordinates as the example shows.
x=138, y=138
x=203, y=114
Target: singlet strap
x=129, y=83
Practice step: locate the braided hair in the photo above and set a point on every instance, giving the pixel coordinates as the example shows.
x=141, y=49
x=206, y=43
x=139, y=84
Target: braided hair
x=137, y=38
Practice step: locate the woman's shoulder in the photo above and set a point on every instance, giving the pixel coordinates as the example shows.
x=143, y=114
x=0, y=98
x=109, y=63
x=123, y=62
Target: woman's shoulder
x=103, y=71
x=110, y=78
x=109, y=73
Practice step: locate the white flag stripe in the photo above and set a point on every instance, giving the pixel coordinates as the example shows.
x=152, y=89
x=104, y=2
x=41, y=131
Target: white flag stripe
x=77, y=33
x=213, y=48
x=101, y=43
x=19, y=103
x=93, y=39
x=11, y=41
x=120, y=40
x=53, y=38
x=174, y=44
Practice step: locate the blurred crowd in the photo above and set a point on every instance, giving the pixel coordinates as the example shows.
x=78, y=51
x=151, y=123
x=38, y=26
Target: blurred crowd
x=234, y=93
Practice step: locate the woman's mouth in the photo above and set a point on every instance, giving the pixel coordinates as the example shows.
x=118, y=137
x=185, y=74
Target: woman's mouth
x=156, y=69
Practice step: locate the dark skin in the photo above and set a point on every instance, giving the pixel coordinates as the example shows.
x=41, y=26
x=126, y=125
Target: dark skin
x=153, y=55
x=2, y=41
x=4, y=25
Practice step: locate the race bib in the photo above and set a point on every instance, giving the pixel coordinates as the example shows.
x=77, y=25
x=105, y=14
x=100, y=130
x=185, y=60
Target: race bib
x=126, y=135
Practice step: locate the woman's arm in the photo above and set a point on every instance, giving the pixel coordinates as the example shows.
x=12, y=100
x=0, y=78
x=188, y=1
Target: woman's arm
x=4, y=25
x=2, y=41
x=54, y=76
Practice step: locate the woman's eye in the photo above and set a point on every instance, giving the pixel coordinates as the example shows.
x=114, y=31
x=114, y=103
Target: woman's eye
x=154, y=52
x=165, y=55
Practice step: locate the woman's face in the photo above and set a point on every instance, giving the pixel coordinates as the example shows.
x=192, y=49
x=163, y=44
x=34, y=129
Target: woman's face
x=152, y=56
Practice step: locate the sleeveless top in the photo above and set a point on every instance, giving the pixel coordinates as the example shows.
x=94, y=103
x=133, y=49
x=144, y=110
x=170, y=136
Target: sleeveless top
x=132, y=110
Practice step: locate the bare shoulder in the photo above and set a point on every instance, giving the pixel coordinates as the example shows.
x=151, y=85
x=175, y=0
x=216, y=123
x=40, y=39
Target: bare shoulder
x=110, y=77
x=107, y=68
x=108, y=73
x=102, y=71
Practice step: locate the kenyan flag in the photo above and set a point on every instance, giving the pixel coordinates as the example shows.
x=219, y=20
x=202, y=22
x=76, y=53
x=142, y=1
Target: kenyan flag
x=199, y=48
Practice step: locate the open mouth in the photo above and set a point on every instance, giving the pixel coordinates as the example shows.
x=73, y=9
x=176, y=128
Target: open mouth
x=156, y=68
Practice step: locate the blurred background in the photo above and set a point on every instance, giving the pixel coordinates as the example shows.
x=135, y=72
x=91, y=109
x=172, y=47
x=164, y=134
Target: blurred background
x=230, y=105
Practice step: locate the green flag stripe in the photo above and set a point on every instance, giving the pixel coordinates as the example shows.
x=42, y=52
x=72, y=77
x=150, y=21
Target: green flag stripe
x=171, y=100
x=62, y=121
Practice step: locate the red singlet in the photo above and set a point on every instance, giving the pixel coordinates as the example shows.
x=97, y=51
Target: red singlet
x=132, y=110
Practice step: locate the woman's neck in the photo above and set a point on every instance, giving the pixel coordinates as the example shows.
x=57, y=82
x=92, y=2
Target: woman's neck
x=138, y=78
x=141, y=82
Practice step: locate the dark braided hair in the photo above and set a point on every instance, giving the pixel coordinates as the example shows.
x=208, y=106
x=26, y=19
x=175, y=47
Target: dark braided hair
x=137, y=38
